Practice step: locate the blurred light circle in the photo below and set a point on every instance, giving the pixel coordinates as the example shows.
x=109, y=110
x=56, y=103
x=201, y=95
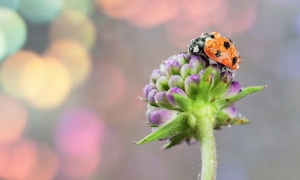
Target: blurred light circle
x=150, y=16
x=13, y=28
x=13, y=118
x=2, y=45
x=56, y=87
x=73, y=56
x=22, y=74
x=46, y=165
x=83, y=6
x=40, y=11
x=11, y=4
x=17, y=160
x=121, y=8
x=73, y=25
x=78, y=137
x=78, y=126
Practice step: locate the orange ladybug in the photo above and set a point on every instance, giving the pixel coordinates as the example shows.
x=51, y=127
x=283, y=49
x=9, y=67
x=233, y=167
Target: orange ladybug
x=217, y=48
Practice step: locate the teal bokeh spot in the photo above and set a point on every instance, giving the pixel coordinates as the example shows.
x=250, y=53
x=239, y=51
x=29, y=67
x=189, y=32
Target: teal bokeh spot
x=40, y=11
x=2, y=46
x=11, y=4
x=14, y=30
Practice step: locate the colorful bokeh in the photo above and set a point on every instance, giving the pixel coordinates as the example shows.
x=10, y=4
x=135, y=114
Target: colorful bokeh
x=72, y=72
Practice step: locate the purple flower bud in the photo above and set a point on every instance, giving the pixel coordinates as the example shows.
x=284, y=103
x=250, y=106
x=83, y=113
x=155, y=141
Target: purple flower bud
x=231, y=112
x=183, y=58
x=162, y=83
x=185, y=71
x=155, y=75
x=174, y=90
x=200, y=74
x=226, y=76
x=162, y=100
x=233, y=89
x=191, y=84
x=176, y=81
x=151, y=96
x=161, y=116
x=149, y=112
x=146, y=91
x=195, y=65
x=172, y=67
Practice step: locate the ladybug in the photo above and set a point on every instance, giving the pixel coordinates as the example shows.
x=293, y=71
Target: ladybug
x=217, y=48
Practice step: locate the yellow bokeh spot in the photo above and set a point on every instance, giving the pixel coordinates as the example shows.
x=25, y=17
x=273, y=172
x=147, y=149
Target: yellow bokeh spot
x=13, y=118
x=56, y=87
x=73, y=25
x=22, y=74
x=73, y=56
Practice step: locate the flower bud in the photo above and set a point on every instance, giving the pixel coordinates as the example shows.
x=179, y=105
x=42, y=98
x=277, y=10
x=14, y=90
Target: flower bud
x=183, y=58
x=176, y=81
x=233, y=89
x=191, y=84
x=185, y=71
x=146, y=91
x=151, y=96
x=148, y=114
x=226, y=76
x=172, y=67
x=174, y=90
x=196, y=64
x=231, y=112
x=160, y=116
x=162, y=83
x=156, y=73
x=162, y=100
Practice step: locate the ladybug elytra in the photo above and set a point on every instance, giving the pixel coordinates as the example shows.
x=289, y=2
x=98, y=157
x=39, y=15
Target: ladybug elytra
x=217, y=48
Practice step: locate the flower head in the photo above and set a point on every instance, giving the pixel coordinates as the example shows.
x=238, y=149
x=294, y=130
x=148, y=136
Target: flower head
x=186, y=88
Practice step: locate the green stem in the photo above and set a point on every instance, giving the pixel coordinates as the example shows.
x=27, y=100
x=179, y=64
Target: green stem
x=205, y=133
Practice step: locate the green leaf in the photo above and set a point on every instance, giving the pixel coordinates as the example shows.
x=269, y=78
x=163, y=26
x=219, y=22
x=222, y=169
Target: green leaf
x=176, y=140
x=170, y=129
x=226, y=102
x=205, y=85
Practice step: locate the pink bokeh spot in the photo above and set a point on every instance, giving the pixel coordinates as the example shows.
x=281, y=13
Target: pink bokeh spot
x=78, y=137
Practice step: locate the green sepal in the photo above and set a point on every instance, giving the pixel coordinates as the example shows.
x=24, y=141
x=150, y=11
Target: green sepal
x=162, y=83
x=216, y=75
x=165, y=105
x=219, y=89
x=226, y=102
x=176, y=140
x=174, y=127
x=183, y=102
x=205, y=85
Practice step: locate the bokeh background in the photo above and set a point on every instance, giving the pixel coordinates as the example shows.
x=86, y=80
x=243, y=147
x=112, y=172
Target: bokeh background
x=71, y=73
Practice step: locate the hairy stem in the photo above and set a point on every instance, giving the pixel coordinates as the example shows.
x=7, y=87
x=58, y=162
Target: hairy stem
x=205, y=135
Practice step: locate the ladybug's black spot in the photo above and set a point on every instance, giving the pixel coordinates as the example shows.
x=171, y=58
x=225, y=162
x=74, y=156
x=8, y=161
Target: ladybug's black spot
x=218, y=53
x=212, y=36
x=233, y=61
x=226, y=45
